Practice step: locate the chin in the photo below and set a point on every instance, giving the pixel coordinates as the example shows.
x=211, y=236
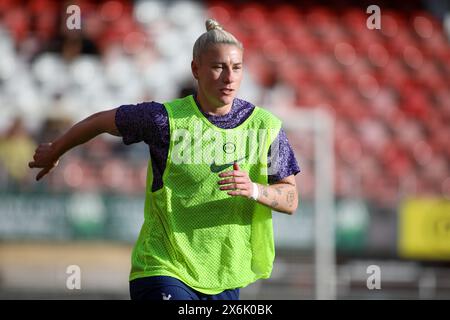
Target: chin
x=226, y=99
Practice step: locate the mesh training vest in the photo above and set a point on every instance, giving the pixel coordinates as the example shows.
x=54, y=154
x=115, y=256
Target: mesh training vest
x=195, y=232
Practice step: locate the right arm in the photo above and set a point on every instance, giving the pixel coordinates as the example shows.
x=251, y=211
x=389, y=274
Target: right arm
x=47, y=154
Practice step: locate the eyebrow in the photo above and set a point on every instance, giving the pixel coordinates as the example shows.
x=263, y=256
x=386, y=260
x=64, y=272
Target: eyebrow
x=218, y=62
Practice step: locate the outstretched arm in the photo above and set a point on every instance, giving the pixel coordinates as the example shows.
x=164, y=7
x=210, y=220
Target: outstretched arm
x=47, y=155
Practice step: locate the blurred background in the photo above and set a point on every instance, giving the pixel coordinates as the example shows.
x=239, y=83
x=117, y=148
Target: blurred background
x=383, y=95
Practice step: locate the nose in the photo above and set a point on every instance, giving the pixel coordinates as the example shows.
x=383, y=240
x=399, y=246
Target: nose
x=227, y=75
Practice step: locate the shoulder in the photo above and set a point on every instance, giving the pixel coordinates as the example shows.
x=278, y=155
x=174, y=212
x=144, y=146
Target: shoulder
x=151, y=106
x=269, y=115
x=142, y=122
x=264, y=114
x=247, y=104
x=143, y=109
x=143, y=113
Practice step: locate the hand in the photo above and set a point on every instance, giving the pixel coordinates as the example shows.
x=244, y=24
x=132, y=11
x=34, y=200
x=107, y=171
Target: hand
x=239, y=182
x=45, y=157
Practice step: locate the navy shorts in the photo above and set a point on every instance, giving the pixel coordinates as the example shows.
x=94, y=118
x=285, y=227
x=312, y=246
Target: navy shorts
x=169, y=288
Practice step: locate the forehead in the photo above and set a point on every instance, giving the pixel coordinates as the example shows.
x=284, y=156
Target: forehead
x=223, y=53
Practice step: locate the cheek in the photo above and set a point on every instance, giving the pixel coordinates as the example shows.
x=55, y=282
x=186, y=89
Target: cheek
x=209, y=76
x=208, y=82
x=215, y=75
x=239, y=76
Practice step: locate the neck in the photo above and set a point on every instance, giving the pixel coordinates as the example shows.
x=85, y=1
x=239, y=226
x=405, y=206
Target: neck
x=211, y=109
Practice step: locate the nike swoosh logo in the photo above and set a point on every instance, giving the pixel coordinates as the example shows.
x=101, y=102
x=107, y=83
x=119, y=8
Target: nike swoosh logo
x=217, y=168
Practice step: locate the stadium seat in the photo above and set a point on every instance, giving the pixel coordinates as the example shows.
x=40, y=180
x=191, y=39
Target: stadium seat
x=370, y=80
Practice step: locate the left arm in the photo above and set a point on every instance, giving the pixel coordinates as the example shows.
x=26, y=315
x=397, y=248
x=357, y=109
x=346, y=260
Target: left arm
x=281, y=196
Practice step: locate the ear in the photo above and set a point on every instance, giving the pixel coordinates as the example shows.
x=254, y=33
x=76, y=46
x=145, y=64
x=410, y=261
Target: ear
x=194, y=68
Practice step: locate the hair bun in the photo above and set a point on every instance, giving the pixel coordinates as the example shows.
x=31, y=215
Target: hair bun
x=212, y=24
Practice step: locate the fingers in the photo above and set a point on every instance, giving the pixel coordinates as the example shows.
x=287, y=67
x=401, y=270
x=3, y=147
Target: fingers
x=238, y=183
x=42, y=160
x=42, y=148
x=241, y=183
x=42, y=157
x=240, y=186
x=44, y=145
x=234, y=173
x=238, y=192
x=234, y=180
x=37, y=162
x=42, y=173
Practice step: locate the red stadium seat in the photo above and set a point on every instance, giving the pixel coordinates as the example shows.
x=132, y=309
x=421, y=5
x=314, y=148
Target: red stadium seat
x=286, y=18
x=221, y=11
x=252, y=16
x=6, y=5
x=320, y=51
x=18, y=22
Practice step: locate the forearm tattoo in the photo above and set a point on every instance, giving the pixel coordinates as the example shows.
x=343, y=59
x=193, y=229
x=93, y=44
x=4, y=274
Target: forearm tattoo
x=290, y=198
x=279, y=197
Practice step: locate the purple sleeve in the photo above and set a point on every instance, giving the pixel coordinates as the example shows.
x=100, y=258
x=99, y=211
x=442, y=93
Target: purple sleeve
x=146, y=122
x=285, y=163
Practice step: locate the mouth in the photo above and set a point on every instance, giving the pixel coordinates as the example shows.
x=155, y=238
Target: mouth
x=226, y=91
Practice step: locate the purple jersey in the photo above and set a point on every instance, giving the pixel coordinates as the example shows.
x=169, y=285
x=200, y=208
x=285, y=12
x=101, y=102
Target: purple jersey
x=149, y=122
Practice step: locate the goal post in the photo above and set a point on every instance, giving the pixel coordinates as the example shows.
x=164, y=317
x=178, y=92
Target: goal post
x=321, y=124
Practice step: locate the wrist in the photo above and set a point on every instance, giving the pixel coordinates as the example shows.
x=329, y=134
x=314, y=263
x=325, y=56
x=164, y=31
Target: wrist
x=58, y=148
x=255, y=192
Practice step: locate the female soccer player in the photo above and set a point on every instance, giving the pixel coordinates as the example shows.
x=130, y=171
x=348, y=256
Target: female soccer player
x=208, y=207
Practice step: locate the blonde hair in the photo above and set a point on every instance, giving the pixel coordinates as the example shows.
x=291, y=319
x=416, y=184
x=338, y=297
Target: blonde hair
x=215, y=34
